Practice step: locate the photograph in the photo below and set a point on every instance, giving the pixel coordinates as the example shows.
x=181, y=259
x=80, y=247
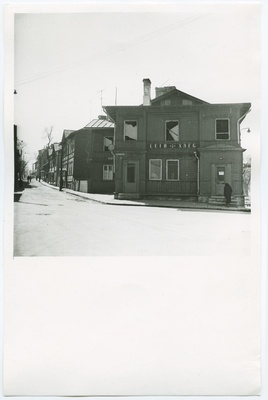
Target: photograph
x=133, y=217
x=133, y=132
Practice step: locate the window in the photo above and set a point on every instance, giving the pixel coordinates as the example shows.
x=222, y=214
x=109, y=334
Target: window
x=155, y=170
x=220, y=174
x=222, y=129
x=172, y=170
x=107, y=141
x=130, y=130
x=165, y=102
x=70, y=168
x=71, y=146
x=187, y=102
x=107, y=172
x=172, y=131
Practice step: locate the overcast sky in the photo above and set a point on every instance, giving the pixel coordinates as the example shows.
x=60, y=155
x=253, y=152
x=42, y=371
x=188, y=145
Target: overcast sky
x=66, y=64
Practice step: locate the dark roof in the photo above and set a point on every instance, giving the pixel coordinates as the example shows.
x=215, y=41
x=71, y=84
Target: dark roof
x=179, y=92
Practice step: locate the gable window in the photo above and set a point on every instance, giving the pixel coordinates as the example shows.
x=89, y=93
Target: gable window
x=107, y=141
x=130, y=130
x=107, y=172
x=222, y=129
x=187, y=102
x=155, y=170
x=165, y=102
x=172, y=170
x=172, y=131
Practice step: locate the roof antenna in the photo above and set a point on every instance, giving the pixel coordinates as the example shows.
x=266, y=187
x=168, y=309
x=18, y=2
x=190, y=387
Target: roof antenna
x=164, y=83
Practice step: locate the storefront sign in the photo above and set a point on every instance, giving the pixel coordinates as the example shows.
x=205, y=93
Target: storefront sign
x=172, y=145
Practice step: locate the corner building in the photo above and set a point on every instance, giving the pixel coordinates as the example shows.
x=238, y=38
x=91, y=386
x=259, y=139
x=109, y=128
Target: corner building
x=176, y=145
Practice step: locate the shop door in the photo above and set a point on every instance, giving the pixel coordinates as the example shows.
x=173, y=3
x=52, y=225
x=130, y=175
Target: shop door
x=221, y=174
x=131, y=177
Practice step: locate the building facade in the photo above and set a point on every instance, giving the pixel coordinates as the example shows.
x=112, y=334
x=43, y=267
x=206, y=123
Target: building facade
x=87, y=161
x=176, y=145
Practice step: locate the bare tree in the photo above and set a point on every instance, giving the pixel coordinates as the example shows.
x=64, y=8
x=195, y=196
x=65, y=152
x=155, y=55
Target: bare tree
x=47, y=135
x=247, y=176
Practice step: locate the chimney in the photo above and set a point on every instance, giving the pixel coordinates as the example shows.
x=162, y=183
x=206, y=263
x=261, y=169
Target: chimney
x=146, y=92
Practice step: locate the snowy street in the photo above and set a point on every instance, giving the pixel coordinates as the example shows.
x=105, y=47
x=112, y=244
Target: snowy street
x=48, y=222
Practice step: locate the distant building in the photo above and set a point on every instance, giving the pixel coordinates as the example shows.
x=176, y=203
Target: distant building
x=179, y=146
x=42, y=164
x=87, y=161
x=54, y=159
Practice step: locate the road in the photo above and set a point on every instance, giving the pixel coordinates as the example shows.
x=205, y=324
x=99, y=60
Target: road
x=48, y=222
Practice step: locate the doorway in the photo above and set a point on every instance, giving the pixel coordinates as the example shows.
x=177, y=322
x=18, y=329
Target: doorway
x=131, y=176
x=220, y=175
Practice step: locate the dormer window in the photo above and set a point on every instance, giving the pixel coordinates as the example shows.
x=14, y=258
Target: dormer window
x=130, y=130
x=172, y=131
x=222, y=129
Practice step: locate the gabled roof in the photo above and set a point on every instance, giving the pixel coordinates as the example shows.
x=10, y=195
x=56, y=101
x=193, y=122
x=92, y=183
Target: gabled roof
x=66, y=133
x=100, y=123
x=179, y=93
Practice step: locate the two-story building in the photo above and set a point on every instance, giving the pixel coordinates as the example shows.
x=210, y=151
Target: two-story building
x=54, y=155
x=87, y=160
x=177, y=145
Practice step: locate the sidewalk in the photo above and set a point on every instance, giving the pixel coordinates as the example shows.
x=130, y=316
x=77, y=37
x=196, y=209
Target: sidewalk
x=110, y=200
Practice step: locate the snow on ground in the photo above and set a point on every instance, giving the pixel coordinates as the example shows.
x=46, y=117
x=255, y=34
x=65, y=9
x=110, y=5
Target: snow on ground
x=52, y=223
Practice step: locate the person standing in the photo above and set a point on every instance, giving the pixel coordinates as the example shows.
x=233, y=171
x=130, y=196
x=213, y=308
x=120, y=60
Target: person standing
x=227, y=194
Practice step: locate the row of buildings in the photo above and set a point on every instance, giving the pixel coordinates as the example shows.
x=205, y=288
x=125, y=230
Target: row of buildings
x=174, y=145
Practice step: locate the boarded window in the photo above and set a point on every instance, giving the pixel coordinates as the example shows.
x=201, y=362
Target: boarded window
x=107, y=172
x=155, y=170
x=107, y=141
x=130, y=130
x=222, y=129
x=172, y=131
x=172, y=170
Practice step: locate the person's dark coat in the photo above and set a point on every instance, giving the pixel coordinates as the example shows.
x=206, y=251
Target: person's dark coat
x=227, y=193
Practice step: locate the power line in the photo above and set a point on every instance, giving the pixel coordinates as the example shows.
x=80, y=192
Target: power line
x=116, y=49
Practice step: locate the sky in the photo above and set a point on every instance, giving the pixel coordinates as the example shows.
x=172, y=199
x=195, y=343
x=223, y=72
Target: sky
x=67, y=65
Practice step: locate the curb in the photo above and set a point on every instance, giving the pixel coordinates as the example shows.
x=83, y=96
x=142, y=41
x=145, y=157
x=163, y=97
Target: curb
x=187, y=207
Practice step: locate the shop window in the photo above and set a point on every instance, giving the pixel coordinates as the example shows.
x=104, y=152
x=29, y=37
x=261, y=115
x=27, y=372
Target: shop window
x=172, y=170
x=155, y=170
x=222, y=129
x=107, y=141
x=107, y=172
x=130, y=130
x=172, y=131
